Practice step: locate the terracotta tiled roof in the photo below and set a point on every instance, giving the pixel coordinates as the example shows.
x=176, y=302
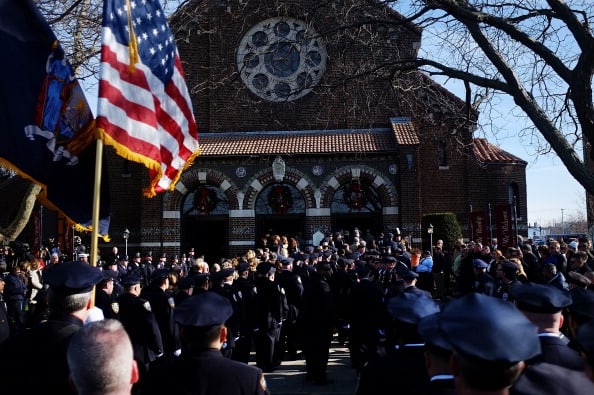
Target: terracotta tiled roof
x=297, y=142
x=486, y=152
x=404, y=131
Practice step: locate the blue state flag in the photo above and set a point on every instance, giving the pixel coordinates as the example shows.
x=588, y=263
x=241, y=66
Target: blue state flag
x=47, y=130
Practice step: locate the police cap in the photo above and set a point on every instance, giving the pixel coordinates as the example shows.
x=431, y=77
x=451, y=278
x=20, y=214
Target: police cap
x=286, y=261
x=489, y=329
x=186, y=283
x=137, y=255
x=265, y=268
x=221, y=274
x=408, y=274
x=203, y=310
x=242, y=266
x=540, y=298
x=109, y=274
x=131, y=279
x=160, y=274
x=509, y=267
x=583, y=303
x=71, y=278
x=411, y=307
x=479, y=263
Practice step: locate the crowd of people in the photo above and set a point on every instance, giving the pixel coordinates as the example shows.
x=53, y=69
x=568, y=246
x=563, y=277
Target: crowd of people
x=469, y=318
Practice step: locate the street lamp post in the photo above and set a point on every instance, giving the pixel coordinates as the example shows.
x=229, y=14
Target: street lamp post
x=430, y=231
x=125, y=235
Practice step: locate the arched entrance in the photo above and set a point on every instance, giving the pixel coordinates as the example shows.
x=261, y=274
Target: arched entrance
x=280, y=209
x=205, y=222
x=356, y=204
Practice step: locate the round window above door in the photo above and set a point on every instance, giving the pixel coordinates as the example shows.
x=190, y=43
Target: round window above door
x=281, y=59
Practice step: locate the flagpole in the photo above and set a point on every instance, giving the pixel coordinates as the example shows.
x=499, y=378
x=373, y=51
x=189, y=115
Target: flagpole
x=96, y=204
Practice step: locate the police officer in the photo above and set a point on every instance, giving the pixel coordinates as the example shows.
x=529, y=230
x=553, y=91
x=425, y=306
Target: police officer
x=201, y=368
x=137, y=317
x=247, y=289
x=542, y=305
x=490, y=339
x=162, y=305
x=293, y=286
x=70, y=286
x=222, y=284
x=104, y=298
x=271, y=310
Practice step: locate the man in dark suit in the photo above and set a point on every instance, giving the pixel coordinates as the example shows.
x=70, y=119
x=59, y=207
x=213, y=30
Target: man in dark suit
x=202, y=368
x=70, y=287
x=437, y=358
x=542, y=305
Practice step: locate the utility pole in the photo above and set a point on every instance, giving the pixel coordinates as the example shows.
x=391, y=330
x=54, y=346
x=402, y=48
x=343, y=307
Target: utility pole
x=562, y=223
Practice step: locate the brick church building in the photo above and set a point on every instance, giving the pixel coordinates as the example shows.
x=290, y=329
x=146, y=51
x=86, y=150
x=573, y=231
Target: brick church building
x=306, y=127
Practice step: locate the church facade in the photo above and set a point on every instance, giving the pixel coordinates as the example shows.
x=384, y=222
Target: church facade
x=307, y=127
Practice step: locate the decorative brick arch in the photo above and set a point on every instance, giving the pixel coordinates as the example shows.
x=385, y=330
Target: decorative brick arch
x=264, y=177
x=386, y=189
x=192, y=178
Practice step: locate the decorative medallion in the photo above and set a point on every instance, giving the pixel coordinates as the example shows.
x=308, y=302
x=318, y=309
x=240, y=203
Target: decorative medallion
x=317, y=170
x=393, y=168
x=281, y=59
x=240, y=172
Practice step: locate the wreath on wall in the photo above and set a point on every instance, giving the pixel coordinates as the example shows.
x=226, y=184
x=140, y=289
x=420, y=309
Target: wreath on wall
x=354, y=195
x=280, y=199
x=205, y=200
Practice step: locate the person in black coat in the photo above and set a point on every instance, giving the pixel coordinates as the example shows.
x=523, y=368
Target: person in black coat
x=293, y=286
x=247, y=289
x=367, y=316
x=162, y=305
x=271, y=311
x=104, y=295
x=201, y=368
x=137, y=317
x=70, y=287
x=542, y=305
x=317, y=320
x=222, y=282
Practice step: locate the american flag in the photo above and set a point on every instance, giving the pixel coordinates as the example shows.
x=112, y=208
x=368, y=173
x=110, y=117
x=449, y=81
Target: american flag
x=144, y=108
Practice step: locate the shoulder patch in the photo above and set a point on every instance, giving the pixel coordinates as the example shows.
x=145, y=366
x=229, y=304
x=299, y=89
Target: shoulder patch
x=115, y=307
x=171, y=302
x=147, y=306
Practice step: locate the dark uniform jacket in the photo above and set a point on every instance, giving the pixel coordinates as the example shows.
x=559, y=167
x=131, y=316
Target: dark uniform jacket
x=204, y=372
x=47, y=344
x=162, y=305
x=139, y=321
x=107, y=304
x=555, y=350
